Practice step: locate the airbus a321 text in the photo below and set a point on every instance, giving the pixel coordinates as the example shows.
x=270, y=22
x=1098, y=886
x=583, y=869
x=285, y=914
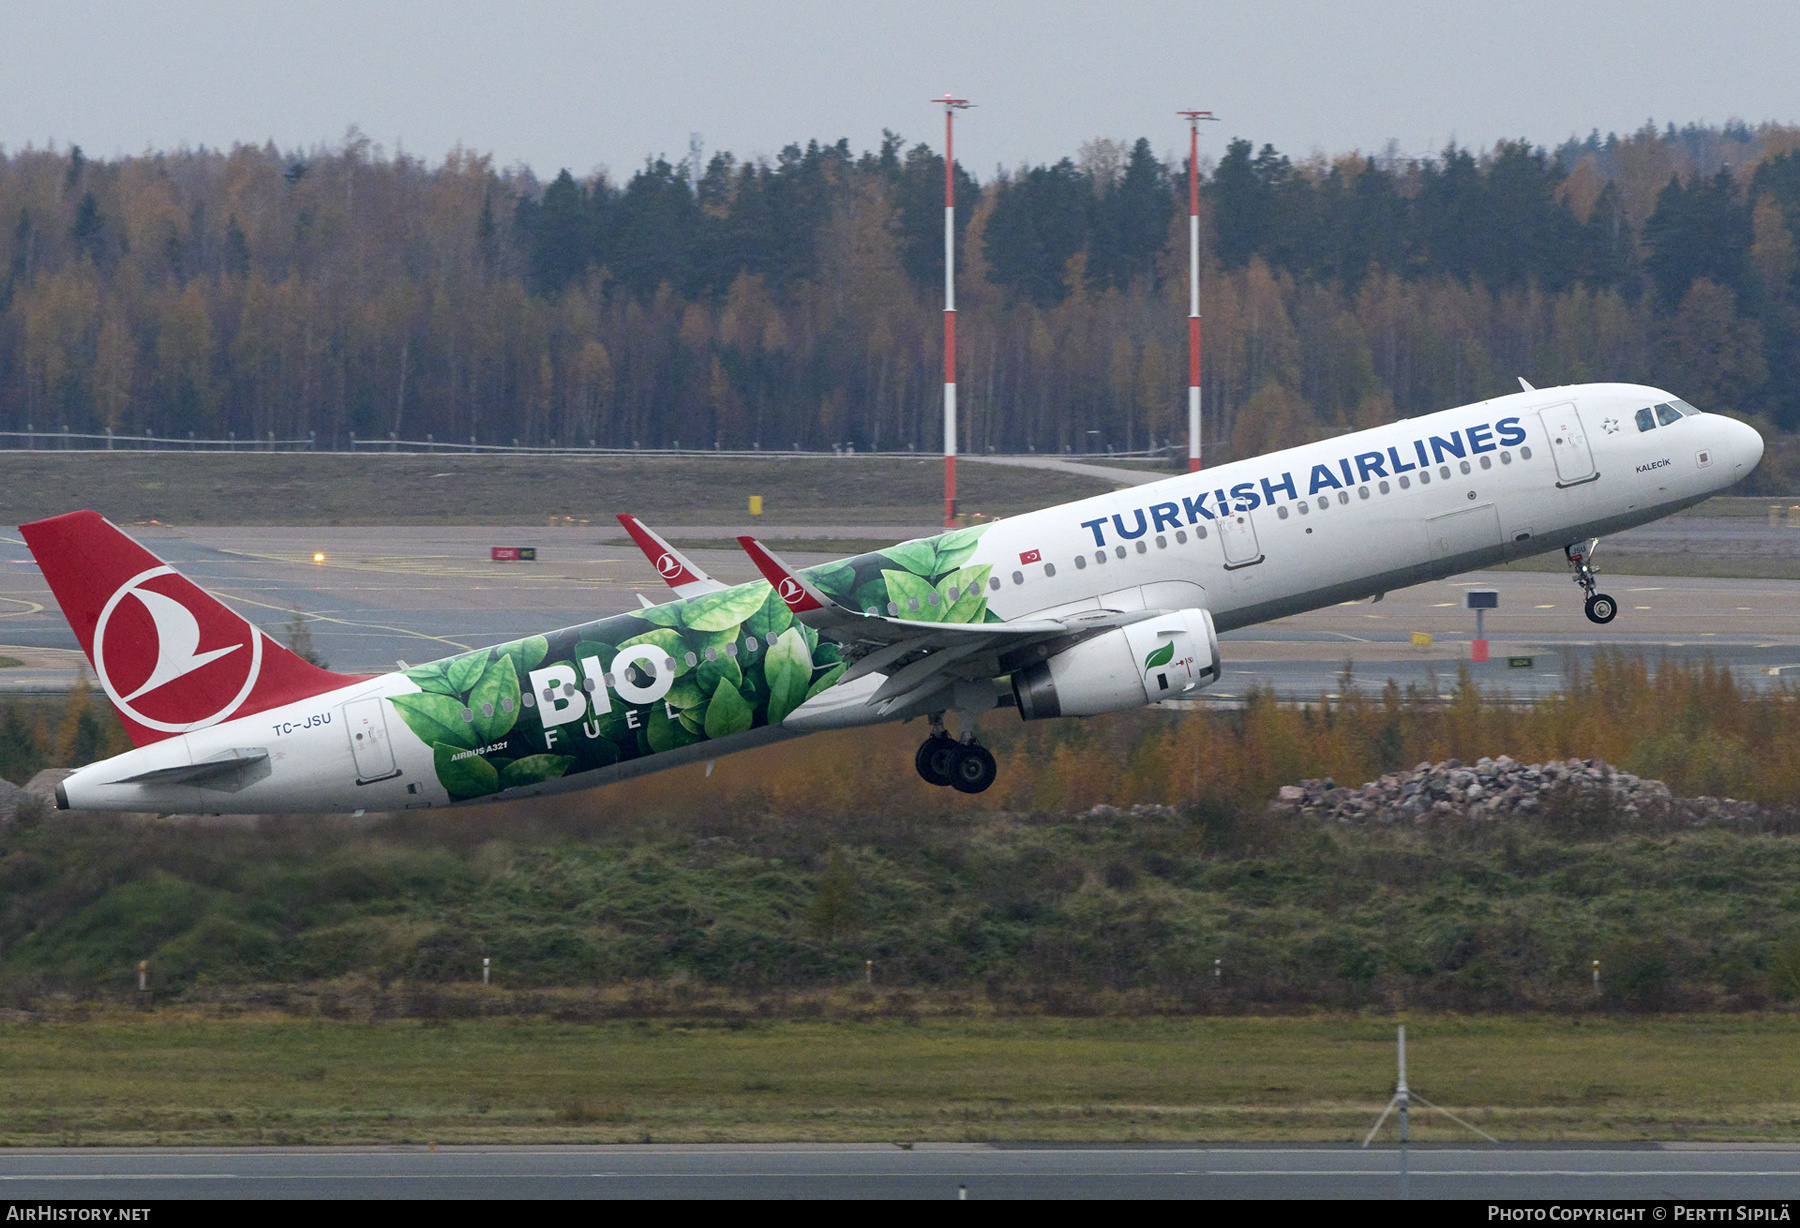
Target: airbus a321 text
x=1095, y=606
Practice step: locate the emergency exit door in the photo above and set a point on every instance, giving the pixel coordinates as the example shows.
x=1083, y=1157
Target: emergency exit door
x=1568, y=445
x=365, y=720
x=1237, y=537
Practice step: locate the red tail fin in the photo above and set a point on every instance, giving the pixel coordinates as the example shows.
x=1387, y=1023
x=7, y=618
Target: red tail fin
x=171, y=658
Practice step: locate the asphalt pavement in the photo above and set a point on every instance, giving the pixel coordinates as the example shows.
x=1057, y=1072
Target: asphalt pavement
x=879, y=1170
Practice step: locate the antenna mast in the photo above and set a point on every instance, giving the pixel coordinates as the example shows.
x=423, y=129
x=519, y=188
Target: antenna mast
x=1194, y=119
x=951, y=107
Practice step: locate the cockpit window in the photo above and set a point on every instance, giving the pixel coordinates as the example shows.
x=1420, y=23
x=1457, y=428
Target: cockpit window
x=1684, y=407
x=1666, y=414
x=1646, y=419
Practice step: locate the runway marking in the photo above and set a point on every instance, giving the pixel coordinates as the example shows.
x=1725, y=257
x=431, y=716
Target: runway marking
x=1390, y=1174
x=1658, y=589
x=119, y=1176
x=32, y=607
x=1543, y=607
x=413, y=564
x=345, y=621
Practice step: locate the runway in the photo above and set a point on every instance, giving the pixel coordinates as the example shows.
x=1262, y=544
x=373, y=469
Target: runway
x=924, y=1171
x=372, y=597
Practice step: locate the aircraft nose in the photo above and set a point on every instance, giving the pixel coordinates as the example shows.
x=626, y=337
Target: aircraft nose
x=1746, y=446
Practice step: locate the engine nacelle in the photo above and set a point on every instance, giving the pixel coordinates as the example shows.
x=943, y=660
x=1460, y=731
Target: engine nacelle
x=1160, y=658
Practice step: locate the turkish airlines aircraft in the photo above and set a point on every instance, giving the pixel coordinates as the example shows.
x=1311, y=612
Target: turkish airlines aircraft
x=1095, y=606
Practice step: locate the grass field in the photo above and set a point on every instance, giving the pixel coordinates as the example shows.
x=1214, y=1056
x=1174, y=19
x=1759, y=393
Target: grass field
x=174, y=1079
x=246, y=488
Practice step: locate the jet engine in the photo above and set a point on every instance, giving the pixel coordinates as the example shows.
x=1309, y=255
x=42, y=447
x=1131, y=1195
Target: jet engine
x=1163, y=657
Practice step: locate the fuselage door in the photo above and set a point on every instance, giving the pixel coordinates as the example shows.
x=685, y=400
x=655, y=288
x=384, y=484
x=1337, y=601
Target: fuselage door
x=1237, y=536
x=366, y=722
x=1568, y=445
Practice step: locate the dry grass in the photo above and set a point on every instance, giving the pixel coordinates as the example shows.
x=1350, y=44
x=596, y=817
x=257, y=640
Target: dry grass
x=339, y=489
x=176, y=1078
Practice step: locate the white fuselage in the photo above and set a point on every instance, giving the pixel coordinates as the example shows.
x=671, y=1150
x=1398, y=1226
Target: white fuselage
x=1295, y=530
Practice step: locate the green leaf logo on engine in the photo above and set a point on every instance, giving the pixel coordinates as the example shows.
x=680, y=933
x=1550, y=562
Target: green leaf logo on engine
x=1162, y=656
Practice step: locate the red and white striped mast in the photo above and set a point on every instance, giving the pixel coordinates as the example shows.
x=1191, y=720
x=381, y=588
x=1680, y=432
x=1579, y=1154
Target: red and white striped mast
x=1194, y=118
x=951, y=107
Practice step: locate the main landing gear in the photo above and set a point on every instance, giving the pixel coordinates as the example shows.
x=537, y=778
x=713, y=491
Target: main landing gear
x=1600, y=607
x=964, y=765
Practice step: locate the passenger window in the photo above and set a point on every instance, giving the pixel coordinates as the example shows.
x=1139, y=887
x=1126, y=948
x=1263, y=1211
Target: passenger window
x=1646, y=419
x=1424, y=477
x=1384, y=488
x=1162, y=543
x=1405, y=482
x=1487, y=462
x=1666, y=414
x=1049, y=569
x=1120, y=550
x=1142, y=548
x=1081, y=562
x=1181, y=537
x=1282, y=511
x=1464, y=466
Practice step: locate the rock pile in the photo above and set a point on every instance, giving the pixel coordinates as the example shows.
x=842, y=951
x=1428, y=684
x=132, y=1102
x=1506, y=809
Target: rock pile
x=1503, y=788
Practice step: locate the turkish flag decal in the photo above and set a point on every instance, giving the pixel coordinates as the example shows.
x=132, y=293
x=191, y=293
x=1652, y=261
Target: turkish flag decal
x=1032, y=556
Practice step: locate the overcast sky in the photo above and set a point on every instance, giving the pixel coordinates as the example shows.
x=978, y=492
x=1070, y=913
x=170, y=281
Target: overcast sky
x=555, y=83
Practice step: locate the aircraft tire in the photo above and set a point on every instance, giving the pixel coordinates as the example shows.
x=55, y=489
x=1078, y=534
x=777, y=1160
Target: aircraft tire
x=974, y=769
x=1601, y=608
x=936, y=759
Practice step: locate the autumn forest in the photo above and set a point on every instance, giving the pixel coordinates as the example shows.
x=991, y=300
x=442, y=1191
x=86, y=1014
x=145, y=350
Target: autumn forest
x=796, y=302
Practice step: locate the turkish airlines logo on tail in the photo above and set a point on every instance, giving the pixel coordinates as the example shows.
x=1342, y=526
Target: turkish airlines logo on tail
x=791, y=592
x=170, y=657
x=668, y=566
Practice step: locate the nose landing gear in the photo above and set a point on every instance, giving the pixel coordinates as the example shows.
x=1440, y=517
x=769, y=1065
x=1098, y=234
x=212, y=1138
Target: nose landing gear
x=1600, y=607
x=964, y=765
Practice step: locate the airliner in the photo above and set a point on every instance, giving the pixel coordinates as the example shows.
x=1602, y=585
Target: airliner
x=1096, y=606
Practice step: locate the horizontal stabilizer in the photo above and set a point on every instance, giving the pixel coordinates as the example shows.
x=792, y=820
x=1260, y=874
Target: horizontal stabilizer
x=238, y=759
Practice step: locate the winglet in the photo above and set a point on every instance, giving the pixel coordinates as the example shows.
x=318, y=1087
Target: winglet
x=1527, y=387
x=800, y=596
x=676, y=569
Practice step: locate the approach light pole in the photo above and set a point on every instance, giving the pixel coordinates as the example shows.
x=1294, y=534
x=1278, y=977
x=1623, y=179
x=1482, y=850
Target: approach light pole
x=951, y=107
x=1194, y=118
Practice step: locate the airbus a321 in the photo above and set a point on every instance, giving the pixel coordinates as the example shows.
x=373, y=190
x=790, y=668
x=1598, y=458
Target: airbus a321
x=1089, y=607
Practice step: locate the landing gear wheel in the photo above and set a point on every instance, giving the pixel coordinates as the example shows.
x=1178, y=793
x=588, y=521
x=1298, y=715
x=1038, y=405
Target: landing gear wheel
x=937, y=758
x=1601, y=608
x=974, y=769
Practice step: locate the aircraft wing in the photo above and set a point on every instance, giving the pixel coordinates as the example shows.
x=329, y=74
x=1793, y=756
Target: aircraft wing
x=923, y=658
x=679, y=571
